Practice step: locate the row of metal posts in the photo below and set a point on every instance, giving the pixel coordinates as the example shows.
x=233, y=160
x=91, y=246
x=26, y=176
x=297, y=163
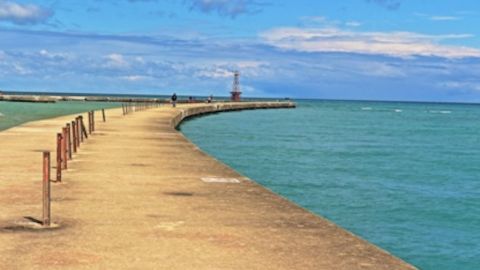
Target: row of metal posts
x=68, y=142
x=138, y=106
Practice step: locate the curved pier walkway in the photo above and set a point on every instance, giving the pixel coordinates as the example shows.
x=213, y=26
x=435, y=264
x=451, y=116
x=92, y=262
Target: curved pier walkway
x=139, y=195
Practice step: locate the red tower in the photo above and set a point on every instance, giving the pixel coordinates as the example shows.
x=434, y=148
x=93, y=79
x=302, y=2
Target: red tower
x=235, y=93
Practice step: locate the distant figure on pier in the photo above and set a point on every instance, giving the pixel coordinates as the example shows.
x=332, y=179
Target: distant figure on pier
x=190, y=99
x=174, y=100
x=209, y=99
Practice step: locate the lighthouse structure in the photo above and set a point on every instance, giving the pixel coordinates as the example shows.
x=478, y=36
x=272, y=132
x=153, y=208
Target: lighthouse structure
x=235, y=93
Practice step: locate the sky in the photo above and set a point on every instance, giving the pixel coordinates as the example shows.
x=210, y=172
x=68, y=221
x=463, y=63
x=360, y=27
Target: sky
x=411, y=50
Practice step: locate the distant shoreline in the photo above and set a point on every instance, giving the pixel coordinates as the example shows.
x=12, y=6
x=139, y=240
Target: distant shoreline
x=220, y=98
x=49, y=97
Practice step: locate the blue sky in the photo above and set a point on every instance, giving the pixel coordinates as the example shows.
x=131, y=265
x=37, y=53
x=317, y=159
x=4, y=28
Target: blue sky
x=358, y=49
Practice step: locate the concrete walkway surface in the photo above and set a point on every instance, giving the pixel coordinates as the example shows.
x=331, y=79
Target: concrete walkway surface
x=139, y=195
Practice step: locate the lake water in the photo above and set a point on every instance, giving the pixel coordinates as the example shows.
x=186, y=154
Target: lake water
x=405, y=176
x=16, y=113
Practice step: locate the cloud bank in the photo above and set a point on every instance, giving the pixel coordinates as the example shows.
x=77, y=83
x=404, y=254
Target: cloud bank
x=399, y=44
x=152, y=64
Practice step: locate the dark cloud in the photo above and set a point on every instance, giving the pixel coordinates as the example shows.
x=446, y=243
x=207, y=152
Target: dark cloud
x=229, y=8
x=388, y=4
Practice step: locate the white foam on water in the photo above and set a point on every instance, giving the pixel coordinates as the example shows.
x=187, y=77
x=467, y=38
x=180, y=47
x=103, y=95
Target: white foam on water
x=366, y=108
x=398, y=110
x=1, y=114
x=442, y=112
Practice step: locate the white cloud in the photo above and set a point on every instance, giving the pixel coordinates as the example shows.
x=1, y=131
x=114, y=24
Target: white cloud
x=135, y=78
x=438, y=17
x=54, y=55
x=444, y=18
x=353, y=24
x=23, y=13
x=214, y=73
x=116, y=61
x=224, y=69
x=315, y=19
x=20, y=69
x=400, y=44
x=461, y=85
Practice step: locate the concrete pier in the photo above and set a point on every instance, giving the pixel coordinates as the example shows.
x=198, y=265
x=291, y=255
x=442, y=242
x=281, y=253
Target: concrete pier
x=139, y=195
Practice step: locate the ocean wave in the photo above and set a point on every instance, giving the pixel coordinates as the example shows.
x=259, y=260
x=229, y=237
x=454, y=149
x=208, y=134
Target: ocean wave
x=398, y=110
x=442, y=112
x=1, y=114
x=366, y=108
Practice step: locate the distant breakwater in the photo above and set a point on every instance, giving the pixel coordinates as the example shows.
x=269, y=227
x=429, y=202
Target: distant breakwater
x=53, y=99
x=47, y=98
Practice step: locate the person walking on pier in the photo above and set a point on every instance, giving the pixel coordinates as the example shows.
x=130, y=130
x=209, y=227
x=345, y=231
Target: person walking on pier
x=174, y=100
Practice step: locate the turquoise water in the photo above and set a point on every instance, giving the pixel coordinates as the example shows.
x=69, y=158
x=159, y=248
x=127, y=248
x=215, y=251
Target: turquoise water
x=16, y=113
x=404, y=176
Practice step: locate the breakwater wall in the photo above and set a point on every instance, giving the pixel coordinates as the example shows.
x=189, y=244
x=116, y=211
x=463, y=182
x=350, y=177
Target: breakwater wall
x=189, y=112
x=53, y=99
x=22, y=98
x=345, y=250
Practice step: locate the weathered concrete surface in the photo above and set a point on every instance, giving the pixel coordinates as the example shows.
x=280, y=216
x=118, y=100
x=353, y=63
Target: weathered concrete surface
x=133, y=198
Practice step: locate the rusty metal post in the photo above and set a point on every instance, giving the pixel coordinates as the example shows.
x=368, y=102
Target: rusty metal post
x=89, y=122
x=91, y=117
x=46, y=188
x=77, y=123
x=79, y=126
x=64, y=148
x=59, y=157
x=74, y=136
x=84, y=130
x=93, y=121
x=69, y=141
x=103, y=115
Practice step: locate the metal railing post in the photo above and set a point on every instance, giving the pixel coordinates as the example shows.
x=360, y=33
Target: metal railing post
x=46, y=189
